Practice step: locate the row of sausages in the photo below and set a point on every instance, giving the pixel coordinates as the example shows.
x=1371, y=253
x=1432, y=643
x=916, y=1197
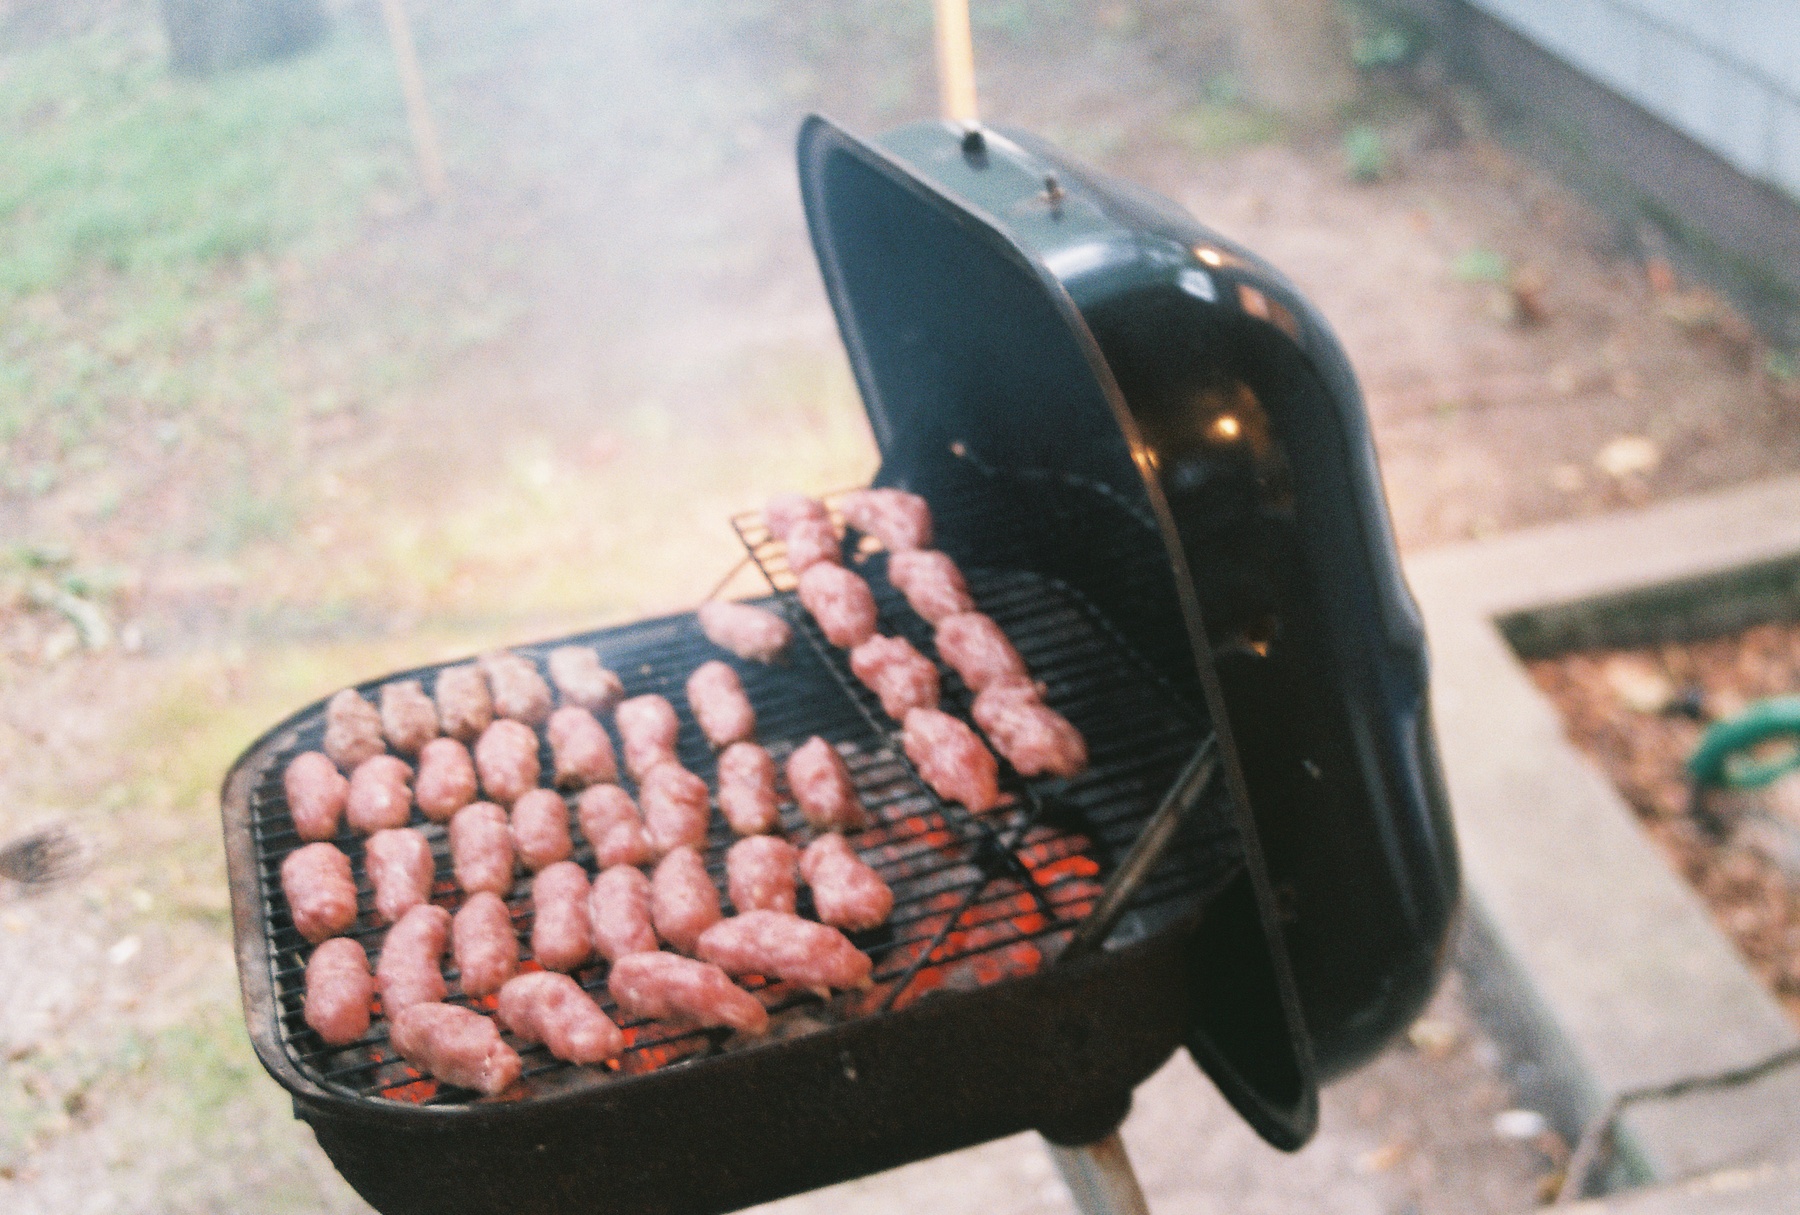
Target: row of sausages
x=1008, y=704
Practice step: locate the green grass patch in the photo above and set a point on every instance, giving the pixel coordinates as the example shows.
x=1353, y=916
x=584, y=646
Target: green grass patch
x=109, y=162
x=1216, y=126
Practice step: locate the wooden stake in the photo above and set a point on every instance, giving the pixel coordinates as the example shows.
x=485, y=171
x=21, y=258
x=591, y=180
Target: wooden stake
x=412, y=87
x=955, y=61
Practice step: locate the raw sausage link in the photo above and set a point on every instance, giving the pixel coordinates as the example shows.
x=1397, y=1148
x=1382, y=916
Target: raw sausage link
x=649, y=728
x=619, y=911
x=465, y=706
x=954, y=762
x=519, y=691
x=380, y=795
x=610, y=821
x=316, y=793
x=446, y=781
x=931, y=583
x=901, y=676
x=901, y=521
x=321, y=894
x=457, y=1045
x=759, y=873
x=506, y=756
x=409, y=970
x=481, y=849
x=785, y=947
x=841, y=602
x=681, y=991
x=581, y=749
x=401, y=869
x=847, y=893
x=583, y=682
x=745, y=629
x=1033, y=737
x=552, y=1009
x=717, y=698
x=784, y=510
x=747, y=789
x=977, y=650
x=560, y=936
x=408, y=717
x=352, y=730
x=821, y=784
x=540, y=829
x=487, y=948
x=683, y=900
x=811, y=543
x=338, y=990
x=675, y=806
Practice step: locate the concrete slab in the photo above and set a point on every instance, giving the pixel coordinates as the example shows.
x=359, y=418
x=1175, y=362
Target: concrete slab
x=1768, y=1190
x=1595, y=961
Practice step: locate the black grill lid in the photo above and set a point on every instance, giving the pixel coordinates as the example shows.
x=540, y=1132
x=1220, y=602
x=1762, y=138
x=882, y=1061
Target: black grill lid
x=1021, y=327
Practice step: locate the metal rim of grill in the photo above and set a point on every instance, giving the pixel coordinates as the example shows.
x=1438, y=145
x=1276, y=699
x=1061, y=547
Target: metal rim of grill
x=977, y=899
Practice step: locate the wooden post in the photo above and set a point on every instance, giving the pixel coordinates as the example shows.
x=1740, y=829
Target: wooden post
x=955, y=60
x=418, y=115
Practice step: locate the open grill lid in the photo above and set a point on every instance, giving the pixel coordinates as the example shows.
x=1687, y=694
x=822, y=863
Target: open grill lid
x=1200, y=467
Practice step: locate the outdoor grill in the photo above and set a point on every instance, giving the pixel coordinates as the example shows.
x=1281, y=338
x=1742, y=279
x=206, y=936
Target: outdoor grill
x=1148, y=456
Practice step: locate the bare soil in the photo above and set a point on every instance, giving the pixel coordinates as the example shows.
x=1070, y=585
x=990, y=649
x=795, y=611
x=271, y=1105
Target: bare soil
x=533, y=409
x=1741, y=851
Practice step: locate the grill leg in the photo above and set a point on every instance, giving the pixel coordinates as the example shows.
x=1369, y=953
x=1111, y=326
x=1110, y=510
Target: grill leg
x=1100, y=1177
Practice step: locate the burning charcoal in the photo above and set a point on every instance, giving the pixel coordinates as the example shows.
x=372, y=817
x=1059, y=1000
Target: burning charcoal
x=456, y=1045
x=683, y=900
x=745, y=629
x=841, y=602
x=821, y=784
x=668, y=987
x=609, y=820
x=583, y=752
x=338, y=991
x=506, y=756
x=465, y=706
x=519, y=691
x=321, y=894
x=1033, y=737
x=931, y=583
x=409, y=971
x=811, y=543
x=552, y=1009
x=352, y=730
x=486, y=947
x=408, y=718
x=380, y=795
x=977, y=650
x=784, y=510
x=540, y=829
x=676, y=809
x=901, y=676
x=400, y=868
x=953, y=761
x=649, y=727
x=747, y=789
x=901, y=521
x=446, y=781
x=316, y=793
x=583, y=682
x=759, y=873
x=561, y=938
x=785, y=947
x=847, y=893
x=717, y=698
x=481, y=849
x=619, y=910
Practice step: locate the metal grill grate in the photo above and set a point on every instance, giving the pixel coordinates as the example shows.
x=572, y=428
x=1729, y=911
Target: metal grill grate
x=976, y=901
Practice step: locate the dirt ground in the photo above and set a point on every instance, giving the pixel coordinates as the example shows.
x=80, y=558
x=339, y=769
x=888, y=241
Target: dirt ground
x=532, y=409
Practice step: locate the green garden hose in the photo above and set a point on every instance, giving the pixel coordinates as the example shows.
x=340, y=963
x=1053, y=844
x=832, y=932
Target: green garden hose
x=1721, y=759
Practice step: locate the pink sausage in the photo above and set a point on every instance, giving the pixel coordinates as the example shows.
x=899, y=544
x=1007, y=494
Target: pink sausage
x=457, y=1045
x=506, y=756
x=446, y=780
x=552, y=1009
x=901, y=521
x=583, y=682
x=519, y=691
x=717, y=698
x=675, y=806
x=316, y=793
x=409, y=970
x=352, y=730
x=785, y=947
x=540, y=829
x=619, y=911
x=481, y=849
x=759, y=873
x=321, y=894
x=747, y=789
x=901, y=676
x=1035, y=738
x=486, y=947
x=683, y=900
x=841, y=602
x=784, y=510
x=977, y=650
x=812, y=543
x=669, y=987
x=560, y=936
x=609, y=820
x=931, y=583
x=583, y=753
x=408, y=717
x=380, y=795
x=649, y=728
x=745, y=629
x=465, y=706
x=953, y=761
x=847, y=893
x=399, y=864
x=338, y=990
x=821, y=784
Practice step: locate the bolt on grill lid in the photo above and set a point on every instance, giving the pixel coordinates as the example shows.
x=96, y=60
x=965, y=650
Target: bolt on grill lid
x=1198, y=463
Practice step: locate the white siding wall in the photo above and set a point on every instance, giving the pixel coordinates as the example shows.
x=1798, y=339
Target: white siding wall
x=1726, y=72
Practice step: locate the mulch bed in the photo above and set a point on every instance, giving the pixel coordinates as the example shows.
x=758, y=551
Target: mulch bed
x=1635, y=712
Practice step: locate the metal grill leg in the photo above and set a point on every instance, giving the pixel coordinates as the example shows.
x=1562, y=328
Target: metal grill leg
x=1100, y=1177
